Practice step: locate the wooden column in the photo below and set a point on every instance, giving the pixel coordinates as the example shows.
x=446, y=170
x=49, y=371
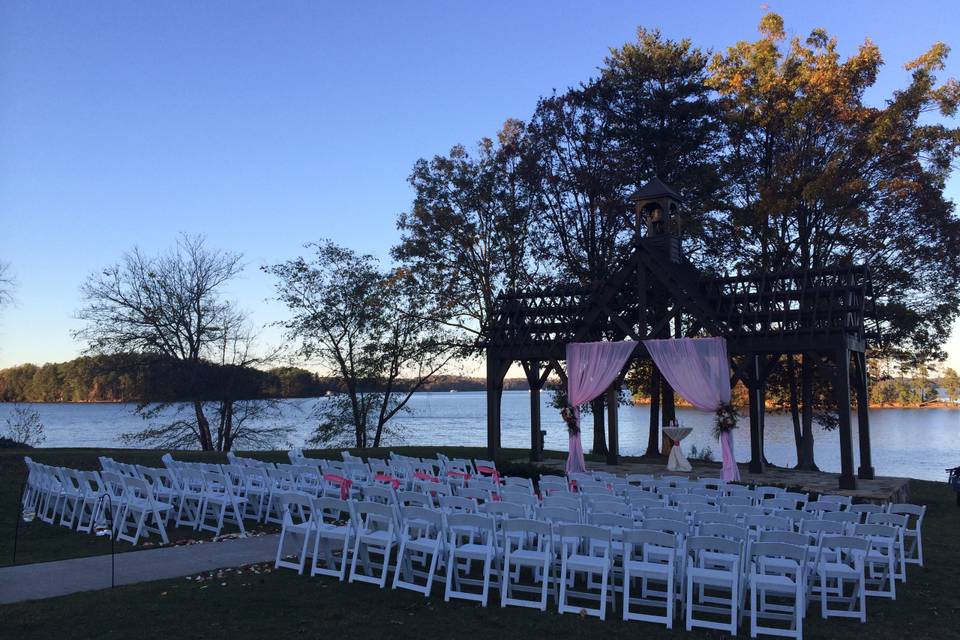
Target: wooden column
x=841, y=389
x=495, y=373
x=755, y=397
x=865, y=472
x=599, y=435
x=613, y=445
x=536, y=440
x=653, y=440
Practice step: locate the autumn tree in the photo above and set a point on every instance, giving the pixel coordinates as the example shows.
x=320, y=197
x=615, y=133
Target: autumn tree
x=818, y=177
x=467, y=235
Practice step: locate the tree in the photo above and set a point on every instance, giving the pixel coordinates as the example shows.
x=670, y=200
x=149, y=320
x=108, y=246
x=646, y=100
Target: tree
x=25, y=427
x=372, y=330
x=170, y=308
x=467, y=235
x=665, y=123
x=950, y=383
x=817, y=177
x=7, y=284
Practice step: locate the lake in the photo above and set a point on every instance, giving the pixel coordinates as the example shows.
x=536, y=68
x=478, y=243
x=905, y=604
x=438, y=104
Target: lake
x=917, y=443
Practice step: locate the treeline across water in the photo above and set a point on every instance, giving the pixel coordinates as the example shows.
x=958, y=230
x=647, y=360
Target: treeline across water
x=135, y=378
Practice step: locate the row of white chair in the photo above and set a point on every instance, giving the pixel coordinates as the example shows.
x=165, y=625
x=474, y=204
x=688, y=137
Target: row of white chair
x=690, y=564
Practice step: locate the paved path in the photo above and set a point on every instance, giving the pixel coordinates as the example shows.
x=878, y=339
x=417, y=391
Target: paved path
x=51, y=579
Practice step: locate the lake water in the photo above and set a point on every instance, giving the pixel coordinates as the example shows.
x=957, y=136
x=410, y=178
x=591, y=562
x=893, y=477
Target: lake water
x=917, y=443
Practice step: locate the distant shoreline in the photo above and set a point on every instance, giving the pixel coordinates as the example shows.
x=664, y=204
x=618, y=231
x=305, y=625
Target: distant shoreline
x=639, y=402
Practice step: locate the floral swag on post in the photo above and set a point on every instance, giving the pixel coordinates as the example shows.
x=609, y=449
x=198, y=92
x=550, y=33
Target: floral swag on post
x=570, y=418
x=725, y=419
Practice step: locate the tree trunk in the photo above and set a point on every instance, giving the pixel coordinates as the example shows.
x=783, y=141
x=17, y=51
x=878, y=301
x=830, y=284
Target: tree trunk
x=226, y=427
x=203, y=427
x=794, y=404
x=806, y=460
x=653, y=440
x=669, y=411
x=599, y=437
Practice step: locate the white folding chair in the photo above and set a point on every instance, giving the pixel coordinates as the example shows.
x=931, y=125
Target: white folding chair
x=840, y=561
x=333, y=521
x=528, y=544
x=649, y=557
x=881, y=559
x=421, y=539
x=471, y=537
x=298, y=526
x=585, y=549
x=141, y=511
x=714, y=564
x=912, y=533
x=777, y=571
x=375, y=531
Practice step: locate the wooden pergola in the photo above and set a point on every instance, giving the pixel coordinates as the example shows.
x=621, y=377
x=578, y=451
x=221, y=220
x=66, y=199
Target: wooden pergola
x=659, y=293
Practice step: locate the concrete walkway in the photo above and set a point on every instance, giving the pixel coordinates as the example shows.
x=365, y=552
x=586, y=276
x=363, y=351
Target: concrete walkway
x=52, y=579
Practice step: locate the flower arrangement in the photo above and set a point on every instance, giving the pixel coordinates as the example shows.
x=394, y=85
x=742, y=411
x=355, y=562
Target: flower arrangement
x=725, y=419
x=570, y=418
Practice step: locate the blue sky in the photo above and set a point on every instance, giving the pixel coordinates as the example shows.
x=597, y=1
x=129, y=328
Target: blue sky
x=266, y=125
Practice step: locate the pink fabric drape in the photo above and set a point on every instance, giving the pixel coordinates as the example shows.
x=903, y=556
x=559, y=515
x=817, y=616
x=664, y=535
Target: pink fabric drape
x=698, y=369
x=591, y=369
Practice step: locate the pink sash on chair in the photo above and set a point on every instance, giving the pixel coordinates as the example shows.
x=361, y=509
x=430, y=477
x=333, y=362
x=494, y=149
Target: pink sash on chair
x=344, y=484
x=489, y=471
x=382, y=477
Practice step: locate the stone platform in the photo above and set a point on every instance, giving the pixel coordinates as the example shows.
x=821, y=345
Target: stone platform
x=879, y=490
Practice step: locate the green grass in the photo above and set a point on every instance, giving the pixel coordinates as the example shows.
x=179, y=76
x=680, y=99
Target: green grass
x=281, y=604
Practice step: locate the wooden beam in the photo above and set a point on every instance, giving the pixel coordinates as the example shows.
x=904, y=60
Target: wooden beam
x=841, y=389
x=865, y=471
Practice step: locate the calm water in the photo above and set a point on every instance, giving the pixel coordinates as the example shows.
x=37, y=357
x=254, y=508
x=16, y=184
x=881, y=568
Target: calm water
x=918, y=443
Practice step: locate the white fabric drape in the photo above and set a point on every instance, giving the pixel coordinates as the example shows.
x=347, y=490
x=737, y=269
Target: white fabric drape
x=698, y=369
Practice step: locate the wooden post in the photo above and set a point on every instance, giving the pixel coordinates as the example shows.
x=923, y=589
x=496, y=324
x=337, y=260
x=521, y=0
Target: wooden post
x=494, y=390
x=865, y=472
x=536, y=441
x=755, y=397
x=599, y=436
x=653, y=440
x=613, y=446
x=841, y=389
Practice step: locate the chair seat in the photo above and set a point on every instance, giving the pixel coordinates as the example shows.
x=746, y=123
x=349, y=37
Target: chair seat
x=775, y=582
x=421, y=544
x=529, y=556
x=337, y=532
x=587, y=563
x=140, y=503
x=474, y=550
x=717, y=577
x=638, y=567
x=381, y=538
x=838, y=569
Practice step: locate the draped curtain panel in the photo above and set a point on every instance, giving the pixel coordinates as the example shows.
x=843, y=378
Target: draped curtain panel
x=699, y=370
x=591, y=368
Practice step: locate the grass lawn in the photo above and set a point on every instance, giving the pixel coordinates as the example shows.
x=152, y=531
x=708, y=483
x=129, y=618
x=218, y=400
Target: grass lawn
x=281, y=604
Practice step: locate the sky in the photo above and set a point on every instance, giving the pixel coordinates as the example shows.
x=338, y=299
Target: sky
x=267, y=125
